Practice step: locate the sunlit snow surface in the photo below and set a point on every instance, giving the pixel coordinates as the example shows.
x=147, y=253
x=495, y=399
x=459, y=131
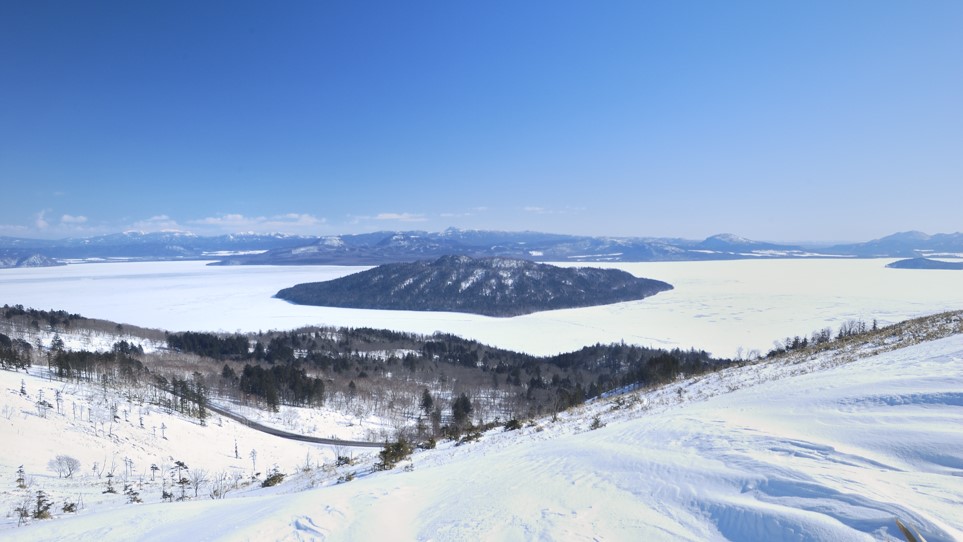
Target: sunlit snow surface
x=719, y=306
x=747, y=454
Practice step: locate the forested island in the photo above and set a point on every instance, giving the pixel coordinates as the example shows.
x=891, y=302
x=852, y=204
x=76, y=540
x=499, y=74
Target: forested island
x=924, y=263
x=489, y=286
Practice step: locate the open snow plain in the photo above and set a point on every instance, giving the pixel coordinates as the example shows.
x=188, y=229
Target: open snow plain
x=812, y=448
x=720, y=306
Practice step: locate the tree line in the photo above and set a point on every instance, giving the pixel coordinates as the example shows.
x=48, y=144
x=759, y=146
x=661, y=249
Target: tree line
x=299, y=367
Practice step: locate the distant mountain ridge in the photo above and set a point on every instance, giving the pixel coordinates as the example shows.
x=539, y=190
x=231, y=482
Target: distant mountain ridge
x=133, y=245
x=404, y=246
x=488, y=286
x=391, y=247
x=13, y=259
x=909, y=244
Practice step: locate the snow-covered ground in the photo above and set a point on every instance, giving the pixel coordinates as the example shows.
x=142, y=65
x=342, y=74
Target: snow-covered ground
x=810, y=448
x=720, y=306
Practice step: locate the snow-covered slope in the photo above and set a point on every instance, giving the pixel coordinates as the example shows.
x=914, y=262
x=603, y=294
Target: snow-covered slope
x=810, y=448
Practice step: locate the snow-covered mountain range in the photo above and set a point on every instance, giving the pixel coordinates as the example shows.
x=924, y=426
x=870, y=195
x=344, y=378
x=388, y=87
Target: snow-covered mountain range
x=392, y=246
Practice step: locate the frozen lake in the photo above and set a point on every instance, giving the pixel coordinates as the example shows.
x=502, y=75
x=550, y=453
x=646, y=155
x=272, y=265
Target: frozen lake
x=718, y=306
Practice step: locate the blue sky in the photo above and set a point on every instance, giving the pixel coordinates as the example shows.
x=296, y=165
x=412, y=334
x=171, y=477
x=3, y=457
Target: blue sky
x=772, y=120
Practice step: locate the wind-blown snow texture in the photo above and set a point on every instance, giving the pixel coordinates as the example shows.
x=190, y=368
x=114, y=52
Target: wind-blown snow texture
x=809, y=448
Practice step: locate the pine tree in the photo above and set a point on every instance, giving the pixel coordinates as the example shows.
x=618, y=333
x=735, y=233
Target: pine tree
x=42, y=508
x=427, y=403
x=461, y=409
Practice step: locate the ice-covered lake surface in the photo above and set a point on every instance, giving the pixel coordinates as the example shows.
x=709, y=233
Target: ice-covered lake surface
x=725, y=307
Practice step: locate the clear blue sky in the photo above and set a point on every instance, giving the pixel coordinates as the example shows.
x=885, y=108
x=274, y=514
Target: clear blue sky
x=835, y=120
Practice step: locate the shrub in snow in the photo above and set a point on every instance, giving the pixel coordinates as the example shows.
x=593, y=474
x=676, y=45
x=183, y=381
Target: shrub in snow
x=597, y=423
x=22, y=511
x=393, y=453
x=471, y=435
x=274, y=478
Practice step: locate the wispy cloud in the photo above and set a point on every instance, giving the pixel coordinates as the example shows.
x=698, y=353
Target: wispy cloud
x=43, y=224
x=400, y=217
x=72, y=219
x=66, y=225
x=40, y=220
x=13, y=229
x=474, y=211
x=295, y=223
x=157, y=223
x=539, y=210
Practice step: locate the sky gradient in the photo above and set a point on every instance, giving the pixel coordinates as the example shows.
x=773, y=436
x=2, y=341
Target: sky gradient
x=781, y=121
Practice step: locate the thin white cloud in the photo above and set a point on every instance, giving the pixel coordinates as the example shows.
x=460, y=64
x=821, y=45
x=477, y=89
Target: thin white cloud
x=157, y=223
x=300, y=219
x=71, y=219
x=70, y=225
x=474, y=211
x=13, y=229
x=539, y=210
x=226, y=220
x=40, y=220
x=66, y=225
x=400, y=217
x=291, y=223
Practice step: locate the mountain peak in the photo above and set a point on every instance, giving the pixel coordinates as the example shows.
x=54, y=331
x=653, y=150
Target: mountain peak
x=912, y=235
x=730, y=238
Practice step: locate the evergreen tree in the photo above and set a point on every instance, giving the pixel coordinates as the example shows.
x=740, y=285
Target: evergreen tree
x=427, y=403
x=461, y=409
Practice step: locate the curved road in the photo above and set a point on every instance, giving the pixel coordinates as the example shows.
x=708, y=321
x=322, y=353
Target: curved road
x=292, y=436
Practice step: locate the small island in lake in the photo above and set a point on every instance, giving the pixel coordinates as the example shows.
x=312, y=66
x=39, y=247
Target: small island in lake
x=925, y=263
x=489, y=286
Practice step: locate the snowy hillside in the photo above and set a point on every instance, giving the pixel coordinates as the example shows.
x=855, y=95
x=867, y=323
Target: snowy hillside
x=826, y=446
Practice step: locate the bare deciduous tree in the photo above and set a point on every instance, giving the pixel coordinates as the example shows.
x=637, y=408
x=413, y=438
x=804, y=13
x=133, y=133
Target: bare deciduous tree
x=63, y=465
x=198, y=477
x=218, y=485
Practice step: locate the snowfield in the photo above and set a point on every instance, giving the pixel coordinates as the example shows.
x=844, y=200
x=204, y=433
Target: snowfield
x=831, y=446
x=725, y=307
